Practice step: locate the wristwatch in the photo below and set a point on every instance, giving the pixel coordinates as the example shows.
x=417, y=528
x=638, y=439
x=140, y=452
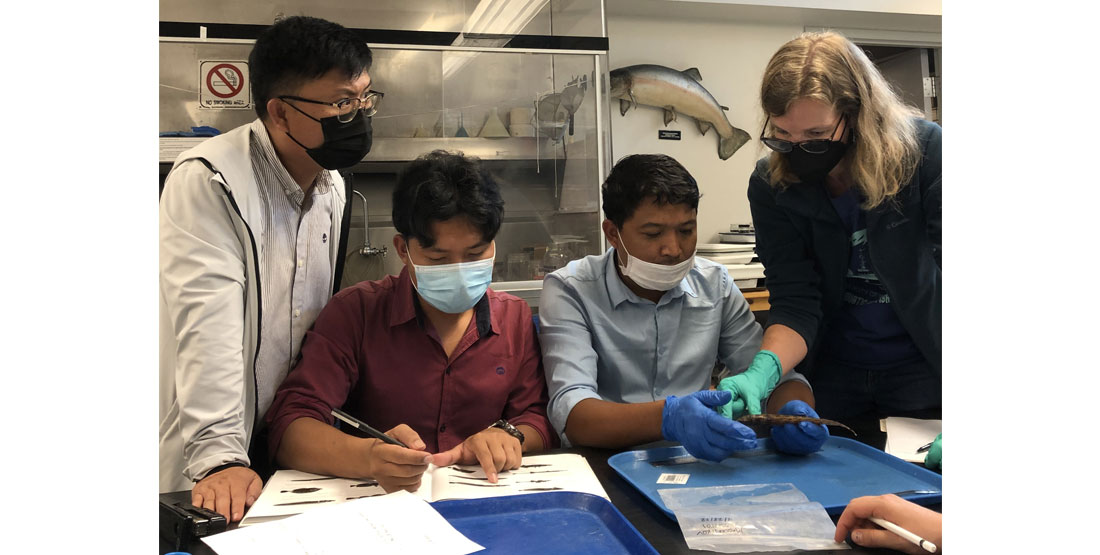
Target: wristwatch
x=512, y=431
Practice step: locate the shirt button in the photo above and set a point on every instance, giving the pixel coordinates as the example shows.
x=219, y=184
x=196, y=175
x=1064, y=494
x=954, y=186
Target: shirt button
x=299, y=263
x=443, y=428
x=297, y=313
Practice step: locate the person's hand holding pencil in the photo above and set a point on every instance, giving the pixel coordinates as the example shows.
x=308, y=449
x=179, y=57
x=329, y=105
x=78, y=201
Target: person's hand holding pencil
x=396, y=459
x=916, y=529
x=395, y=466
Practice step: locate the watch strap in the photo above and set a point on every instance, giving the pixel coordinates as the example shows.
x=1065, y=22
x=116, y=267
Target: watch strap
x=509, y=428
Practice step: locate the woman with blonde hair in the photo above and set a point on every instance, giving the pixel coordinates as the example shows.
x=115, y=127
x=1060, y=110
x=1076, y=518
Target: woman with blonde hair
x=847, y=215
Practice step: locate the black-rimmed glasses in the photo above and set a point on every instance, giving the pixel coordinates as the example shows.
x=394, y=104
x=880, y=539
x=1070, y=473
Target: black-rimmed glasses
x=347, y=107
x=814, y=146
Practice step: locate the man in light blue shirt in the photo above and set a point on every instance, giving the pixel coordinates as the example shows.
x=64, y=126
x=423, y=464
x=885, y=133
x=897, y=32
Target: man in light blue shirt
x=630, y=337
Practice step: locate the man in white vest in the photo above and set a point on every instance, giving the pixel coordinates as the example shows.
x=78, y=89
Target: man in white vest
x=252, y=225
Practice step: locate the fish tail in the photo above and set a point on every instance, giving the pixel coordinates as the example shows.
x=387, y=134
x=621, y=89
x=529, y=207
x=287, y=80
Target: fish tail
x=729, y=145
x=835, y=423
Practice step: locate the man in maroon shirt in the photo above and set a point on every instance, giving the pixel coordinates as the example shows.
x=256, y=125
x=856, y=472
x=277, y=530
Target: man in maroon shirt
x=446, y=365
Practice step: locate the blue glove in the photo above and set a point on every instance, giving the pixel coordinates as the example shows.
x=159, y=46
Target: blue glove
x=752, y=386
x=934, y=458
x=692, y=421
x=802, y=438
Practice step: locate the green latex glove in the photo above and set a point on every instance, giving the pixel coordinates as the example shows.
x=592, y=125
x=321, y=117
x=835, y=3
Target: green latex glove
x=934, y=458
x=751, y=387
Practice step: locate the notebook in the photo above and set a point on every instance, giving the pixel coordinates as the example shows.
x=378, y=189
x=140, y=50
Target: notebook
x=905, y=435
x=290, y=492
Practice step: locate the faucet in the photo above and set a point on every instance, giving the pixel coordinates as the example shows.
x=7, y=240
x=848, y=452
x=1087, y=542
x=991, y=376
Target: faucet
x=366, y=249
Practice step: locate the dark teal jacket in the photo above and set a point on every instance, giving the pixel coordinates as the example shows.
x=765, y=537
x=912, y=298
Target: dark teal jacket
x=804, y=247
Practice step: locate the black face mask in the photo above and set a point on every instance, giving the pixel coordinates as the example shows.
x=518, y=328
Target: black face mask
x=812, y=168
x=345, y=143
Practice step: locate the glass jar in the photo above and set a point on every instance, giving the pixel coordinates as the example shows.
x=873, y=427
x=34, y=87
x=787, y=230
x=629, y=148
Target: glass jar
x=557, y=256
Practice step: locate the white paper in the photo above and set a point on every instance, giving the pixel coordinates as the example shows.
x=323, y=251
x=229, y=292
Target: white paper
x=398, y=523
x=905, y=435
x=290, y=492
x=561, y=472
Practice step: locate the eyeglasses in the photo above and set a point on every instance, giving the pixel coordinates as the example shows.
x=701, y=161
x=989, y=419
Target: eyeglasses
x=815, y=146
x=347, y=107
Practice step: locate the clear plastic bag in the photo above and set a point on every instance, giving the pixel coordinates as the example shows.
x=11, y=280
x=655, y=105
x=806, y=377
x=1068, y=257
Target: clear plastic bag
x=748, y=518
x=744, y=494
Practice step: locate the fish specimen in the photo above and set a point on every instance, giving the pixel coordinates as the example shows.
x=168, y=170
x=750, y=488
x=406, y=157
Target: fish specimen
x=761, y=423
x=676, y=91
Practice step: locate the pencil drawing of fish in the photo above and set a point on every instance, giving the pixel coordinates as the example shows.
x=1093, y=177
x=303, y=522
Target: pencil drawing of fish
x=761, y=423
x=303, y=502
x=480, y=485
x=362, y=496
x=676, y=91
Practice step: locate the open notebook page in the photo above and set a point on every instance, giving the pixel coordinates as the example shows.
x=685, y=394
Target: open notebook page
x=290, y=492
x=539, y=473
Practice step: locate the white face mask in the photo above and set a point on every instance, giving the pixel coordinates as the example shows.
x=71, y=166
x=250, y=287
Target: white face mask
x=657, y=277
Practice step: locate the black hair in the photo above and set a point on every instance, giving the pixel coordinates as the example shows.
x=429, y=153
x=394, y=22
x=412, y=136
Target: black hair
x=300, y=48
x=441, y=185
x=641, y=176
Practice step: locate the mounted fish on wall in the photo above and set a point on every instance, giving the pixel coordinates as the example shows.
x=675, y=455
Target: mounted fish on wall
x=676, y=91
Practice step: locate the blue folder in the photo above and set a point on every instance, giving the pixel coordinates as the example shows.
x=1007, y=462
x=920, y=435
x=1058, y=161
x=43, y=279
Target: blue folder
x=843, y=470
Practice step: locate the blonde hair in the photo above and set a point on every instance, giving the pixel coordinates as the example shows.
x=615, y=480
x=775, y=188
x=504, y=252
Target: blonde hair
x=828, y=67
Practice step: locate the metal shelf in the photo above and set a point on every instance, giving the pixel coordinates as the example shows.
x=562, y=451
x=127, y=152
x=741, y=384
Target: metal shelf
x=405, y=149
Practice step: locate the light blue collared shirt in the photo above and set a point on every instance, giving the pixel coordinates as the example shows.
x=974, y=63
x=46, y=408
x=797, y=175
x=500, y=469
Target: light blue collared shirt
x=601, y=341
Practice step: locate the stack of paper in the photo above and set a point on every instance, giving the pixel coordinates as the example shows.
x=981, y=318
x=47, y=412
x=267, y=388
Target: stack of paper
x=738, y=259
x=905, y=435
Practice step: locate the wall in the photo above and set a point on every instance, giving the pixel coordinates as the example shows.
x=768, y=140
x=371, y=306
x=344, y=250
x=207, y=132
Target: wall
x=731, y=58
x=904, y=71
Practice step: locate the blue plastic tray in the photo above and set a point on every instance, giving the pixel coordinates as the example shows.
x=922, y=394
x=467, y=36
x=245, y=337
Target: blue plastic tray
x=844, y=469
x=552, y=523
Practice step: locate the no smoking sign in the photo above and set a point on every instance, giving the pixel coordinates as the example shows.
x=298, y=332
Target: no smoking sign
x=224, y=85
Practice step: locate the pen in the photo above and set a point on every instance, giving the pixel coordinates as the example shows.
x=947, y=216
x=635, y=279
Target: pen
x=363, y=427
x=917, y=540
x=924, y=447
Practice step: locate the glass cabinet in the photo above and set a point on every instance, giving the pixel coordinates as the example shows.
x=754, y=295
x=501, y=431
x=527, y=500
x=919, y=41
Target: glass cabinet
x=535, y=111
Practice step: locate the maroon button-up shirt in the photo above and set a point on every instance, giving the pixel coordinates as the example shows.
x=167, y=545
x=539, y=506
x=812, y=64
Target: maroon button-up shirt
x=374, y=354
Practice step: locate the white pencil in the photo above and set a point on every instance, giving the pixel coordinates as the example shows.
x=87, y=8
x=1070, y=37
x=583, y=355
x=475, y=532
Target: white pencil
x=917, y=540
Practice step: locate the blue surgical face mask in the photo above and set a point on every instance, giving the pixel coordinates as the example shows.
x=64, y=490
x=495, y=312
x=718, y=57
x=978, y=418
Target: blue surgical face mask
x=453, y=288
